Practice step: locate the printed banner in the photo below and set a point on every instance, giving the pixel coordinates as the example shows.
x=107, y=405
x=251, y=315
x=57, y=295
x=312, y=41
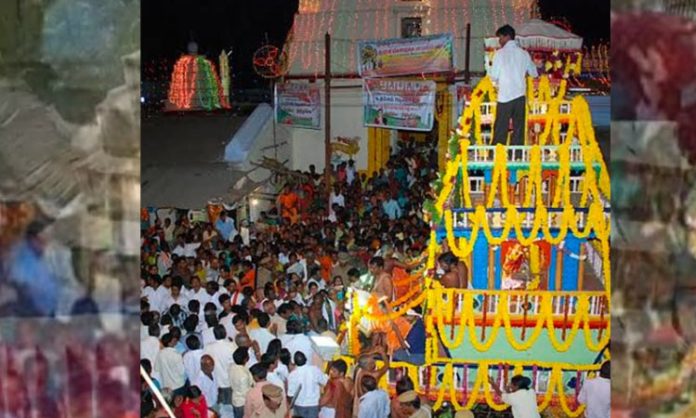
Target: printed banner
x=462, y=93
x=399, y=104
x=390, y=57
x=298, y=105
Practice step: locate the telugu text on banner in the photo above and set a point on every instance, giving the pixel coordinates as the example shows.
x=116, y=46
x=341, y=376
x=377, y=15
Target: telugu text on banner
x=393, y=57
x=399, y=104
x=298, y=105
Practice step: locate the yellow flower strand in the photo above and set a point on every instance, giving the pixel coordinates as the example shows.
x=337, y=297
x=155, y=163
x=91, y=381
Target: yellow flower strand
x=581, y=313
x=502, y=317
x=481, y=345
x=441, y=323
x=563, y=401
x=536, y=332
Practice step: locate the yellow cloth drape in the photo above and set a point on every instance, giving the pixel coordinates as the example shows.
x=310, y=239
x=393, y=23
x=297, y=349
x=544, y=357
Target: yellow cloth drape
x=378, y=149
x=443, y=115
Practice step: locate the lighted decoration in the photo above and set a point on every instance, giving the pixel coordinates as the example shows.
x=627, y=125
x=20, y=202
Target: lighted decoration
x=349, y=21
x=270, y=62
x=195, y=84
x=225, y=75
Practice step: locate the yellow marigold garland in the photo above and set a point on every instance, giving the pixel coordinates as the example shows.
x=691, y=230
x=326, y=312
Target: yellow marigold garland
x=536, y=332
x=502, y=317
x=579, y=126
x=554, y=384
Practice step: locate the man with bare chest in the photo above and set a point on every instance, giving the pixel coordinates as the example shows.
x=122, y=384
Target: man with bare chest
x=455, y=276
x=383, y=288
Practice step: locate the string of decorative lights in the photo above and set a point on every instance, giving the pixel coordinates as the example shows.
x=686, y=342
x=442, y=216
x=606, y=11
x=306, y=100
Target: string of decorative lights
x=372, y=19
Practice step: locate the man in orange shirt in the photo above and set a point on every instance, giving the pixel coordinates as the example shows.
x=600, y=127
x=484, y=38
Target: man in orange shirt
x=248, y=275
x=289, y=202
x=327, y=260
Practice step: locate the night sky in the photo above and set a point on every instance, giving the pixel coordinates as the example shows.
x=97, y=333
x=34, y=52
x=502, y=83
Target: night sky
x=168, y=26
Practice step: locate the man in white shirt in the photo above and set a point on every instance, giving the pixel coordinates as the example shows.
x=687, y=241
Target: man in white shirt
x=175, y=296
x=519, y=395
x=270, y=362
x=221, y=351
x=595, y=394
x=205, y=380
x=510, y=66
x=308, y=263
x=295, y=341
x=168, y=231
x=169, y=366
x=150, y=345
x=208, y=333
x=375, y=402
x=308, y=381
x=350, y=172
x=262, y=335
x=337, y=197
x=192, y=358
x=197, y=292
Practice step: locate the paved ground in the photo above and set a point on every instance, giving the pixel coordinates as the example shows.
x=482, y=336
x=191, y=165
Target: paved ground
x=183, y=159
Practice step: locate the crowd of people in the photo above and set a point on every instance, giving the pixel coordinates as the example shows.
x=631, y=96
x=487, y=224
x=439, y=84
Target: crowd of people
x=230, y=314
x=246, y=321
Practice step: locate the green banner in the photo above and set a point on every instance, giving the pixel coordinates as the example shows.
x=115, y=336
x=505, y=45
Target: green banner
x=391, y=57
x=399, y=104
x=298, y=105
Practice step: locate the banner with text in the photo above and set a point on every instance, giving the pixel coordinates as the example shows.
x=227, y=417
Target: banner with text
x=390, y=57
x=399, y=104
x=298, y=105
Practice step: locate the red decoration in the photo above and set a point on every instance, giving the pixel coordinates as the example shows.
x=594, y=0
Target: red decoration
x=270, y=62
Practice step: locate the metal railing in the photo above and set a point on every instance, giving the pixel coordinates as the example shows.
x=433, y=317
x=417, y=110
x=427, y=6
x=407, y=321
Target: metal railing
x=498, y=216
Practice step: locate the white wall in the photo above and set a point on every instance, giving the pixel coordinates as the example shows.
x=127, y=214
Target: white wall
x=346, y=120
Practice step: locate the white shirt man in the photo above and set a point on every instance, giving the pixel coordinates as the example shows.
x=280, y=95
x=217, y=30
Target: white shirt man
x=262, y=336
x=275, y=379
x=169, y=366
x=523, y=403
x=337, y=199
x=201, y=296
x=149, y=348
x=298, y=342
x=510, y=66
x=192, y=363
x=229, y=326
x=297, y=268
x=350, y=174
x=159, y=299
x=311, y=379
x=374, y=404
x=221, y=351
x=595, y=394
x=208, y=387
x=306, y=267
x=208, y=336
x=282, y=372
x=169, y=300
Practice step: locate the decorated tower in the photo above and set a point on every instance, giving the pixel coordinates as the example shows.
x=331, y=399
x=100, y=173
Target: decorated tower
x=195, y=84
x=530, y=223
